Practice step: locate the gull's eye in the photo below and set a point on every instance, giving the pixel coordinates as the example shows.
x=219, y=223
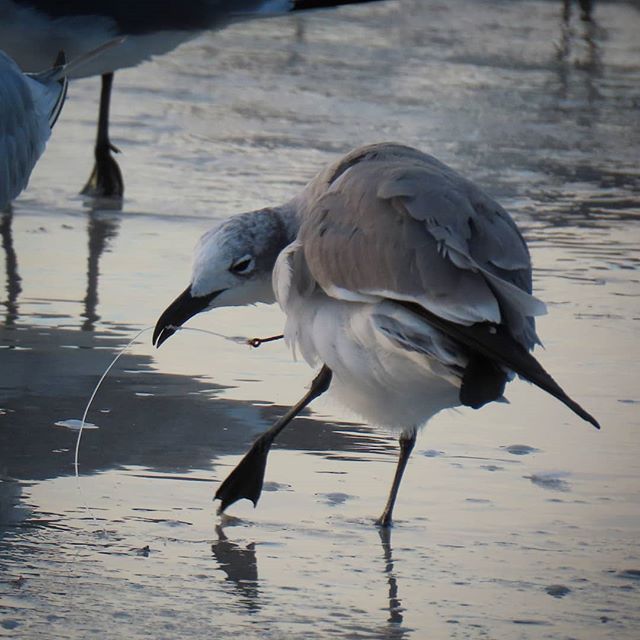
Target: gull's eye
x=243, y=266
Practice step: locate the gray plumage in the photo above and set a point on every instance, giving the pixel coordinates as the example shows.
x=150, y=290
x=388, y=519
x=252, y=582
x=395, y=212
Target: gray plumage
x=404, y=282
x=391, y=222
x=29, y=107
x=30, y=104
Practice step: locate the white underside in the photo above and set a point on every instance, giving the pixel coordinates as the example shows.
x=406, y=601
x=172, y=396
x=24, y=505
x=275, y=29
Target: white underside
x=379, y=381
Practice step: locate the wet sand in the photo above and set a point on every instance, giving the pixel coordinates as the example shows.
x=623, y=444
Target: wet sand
x=516, y=521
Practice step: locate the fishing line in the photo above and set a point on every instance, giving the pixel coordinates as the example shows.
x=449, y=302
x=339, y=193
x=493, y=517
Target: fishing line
x=84, y=417
x=254, y=342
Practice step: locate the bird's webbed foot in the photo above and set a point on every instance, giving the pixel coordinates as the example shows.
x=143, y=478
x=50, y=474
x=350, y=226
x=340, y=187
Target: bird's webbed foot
x=246, y=480
x=105, y=180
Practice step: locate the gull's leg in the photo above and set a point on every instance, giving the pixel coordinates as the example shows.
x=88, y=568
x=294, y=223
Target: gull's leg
x=245, y=481
x=105, y=180
x=407, y=440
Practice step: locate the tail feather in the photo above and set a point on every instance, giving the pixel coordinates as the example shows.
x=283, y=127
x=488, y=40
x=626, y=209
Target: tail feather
x=55, y=80
x=495, y=342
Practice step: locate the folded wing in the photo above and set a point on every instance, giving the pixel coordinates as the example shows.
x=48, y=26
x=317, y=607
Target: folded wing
x=411, y=229
x=394, y=225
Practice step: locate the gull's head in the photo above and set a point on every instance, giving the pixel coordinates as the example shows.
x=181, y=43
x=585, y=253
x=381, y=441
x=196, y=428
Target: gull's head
x=232, y=266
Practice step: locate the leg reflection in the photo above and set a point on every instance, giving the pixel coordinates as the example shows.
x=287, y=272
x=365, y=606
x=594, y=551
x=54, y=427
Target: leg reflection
x=395, y=604
x=11, y=263
x=101, y=230
x=579, y=67
x=586, y=10
x=240, y=565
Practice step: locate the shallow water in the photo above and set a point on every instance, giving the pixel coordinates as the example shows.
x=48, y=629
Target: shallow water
x=517, y=521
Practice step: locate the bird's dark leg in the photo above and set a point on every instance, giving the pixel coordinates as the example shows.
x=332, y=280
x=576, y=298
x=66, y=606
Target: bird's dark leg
x=105, y=180
x=245, y=481
x=407, y=441
x=100, y=230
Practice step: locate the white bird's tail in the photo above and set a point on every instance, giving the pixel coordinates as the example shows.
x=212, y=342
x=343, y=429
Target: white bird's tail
x=55, y=80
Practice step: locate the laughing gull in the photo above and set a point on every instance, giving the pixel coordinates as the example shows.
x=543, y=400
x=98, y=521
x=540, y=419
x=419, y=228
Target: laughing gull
x=405, y=283
x=30, y=104
x=33, y=31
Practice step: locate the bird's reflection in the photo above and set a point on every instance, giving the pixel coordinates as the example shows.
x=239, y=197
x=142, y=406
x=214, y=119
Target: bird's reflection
x=579, y=49
x=578, y=67
x=395, y=619
x=101, y=227
x=586, y=10
x=11, y=265
x=240, y=565
x=294, y=45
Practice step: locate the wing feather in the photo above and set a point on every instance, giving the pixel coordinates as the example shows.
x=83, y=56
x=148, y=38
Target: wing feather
x=411, y=229
x=447, y=265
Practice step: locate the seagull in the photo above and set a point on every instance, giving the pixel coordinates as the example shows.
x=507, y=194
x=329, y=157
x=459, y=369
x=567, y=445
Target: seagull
x=33, y=31
x=407, y=285
x=30, y=104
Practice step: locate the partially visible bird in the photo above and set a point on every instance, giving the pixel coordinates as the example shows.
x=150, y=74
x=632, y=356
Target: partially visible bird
x=407, y=284
x=30, y=104
x=33, y=31
x=29, y=107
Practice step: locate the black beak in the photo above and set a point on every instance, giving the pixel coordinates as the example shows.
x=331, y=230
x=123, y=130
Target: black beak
x=185, y=306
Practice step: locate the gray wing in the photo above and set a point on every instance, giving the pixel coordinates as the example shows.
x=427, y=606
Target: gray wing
x=409, y=228
x=23, y=131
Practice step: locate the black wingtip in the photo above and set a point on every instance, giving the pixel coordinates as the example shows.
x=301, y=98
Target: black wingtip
x=496, y=343
x=582, y=413
x=537, y=375
x=483, y=381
